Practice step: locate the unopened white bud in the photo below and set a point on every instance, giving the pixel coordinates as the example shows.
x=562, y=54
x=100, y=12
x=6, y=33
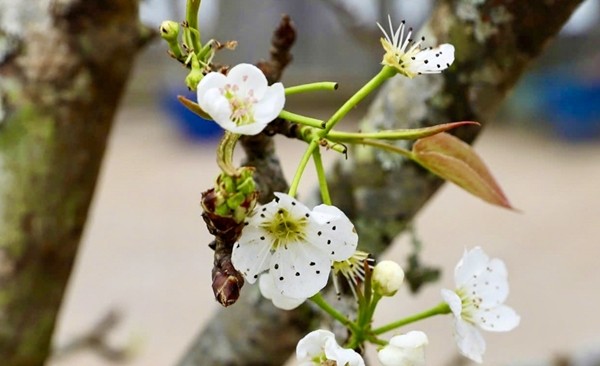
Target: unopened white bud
x=387, y=278
x=405, y=350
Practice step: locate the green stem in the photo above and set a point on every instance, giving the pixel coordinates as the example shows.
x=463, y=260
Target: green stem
x=326, y=307
x=303, y=120
x=440, y=309
x=385, y=73
x=205, y=50
x=300, y=170
x=322, y=178
x=387, y=147
x=373, y=305
x=191, y=17
x=225, y=153
x=324, y=85
x=377, y=341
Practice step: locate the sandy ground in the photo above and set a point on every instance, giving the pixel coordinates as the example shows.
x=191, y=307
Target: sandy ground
x=145, y=248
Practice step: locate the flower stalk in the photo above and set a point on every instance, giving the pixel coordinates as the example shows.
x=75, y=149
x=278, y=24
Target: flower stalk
x=225, y=153
x=301, y=166
x=322, y=178
x=191, y=30
x=440, y=309
x=303, y=120
x=326, y=307
x=385, y=73
x=311, y=87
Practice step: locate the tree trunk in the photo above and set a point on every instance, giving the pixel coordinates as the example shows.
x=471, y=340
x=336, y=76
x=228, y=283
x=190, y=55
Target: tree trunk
x=63, y=67
x=495, y=41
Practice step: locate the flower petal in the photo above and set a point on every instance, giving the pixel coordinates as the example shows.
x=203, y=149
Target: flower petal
x=469, y=340
x=268, y=290
x=271, y=104
x=498, y=319
x=251, y=253
x=213, y=80
x=325, y=213
x=249, y=129
x=405, y=350
x=412, y=339
x=312, y=344
x=472, y=262
x=433, y=61
x=453, y=300
x=218, y=107
x=491, y=285
x=249, y=79
x=263, y=213
x=334, y=233
x=296, y=208
x=393, y=356
x=300, y=269
x=342, y=356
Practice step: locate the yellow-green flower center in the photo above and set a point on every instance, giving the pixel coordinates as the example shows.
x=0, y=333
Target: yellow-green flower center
x=398, y=59
x=322, y=360
x=242, y=108
x=353, y=267
x=470, y=302
x=285, y=228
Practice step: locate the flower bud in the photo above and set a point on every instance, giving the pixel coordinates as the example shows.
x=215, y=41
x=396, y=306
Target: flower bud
x=193, y=78
x=387, y=278
x=169, y=31
x=232, y=197
x=404, y=350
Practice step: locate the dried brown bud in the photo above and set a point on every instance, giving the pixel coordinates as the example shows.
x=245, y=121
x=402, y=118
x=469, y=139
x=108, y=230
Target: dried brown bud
x=227, y=281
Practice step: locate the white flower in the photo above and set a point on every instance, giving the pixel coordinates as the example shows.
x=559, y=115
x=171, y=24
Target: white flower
x=296, y=245
x=407, y=56
x=405, y=350
x=241, y=102
x=319, y=346
x=387, y=278
x=267, y=288
x=481, y=289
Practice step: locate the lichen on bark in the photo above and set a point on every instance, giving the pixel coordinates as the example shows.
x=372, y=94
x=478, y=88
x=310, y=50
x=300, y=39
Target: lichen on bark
x=59, y=86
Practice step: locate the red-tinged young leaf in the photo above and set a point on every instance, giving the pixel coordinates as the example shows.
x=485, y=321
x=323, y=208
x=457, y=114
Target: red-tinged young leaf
x=454, y=160
x=192, y=106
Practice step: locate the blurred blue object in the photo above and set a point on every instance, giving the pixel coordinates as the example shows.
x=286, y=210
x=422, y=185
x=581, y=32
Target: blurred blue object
x=571, y=105
x=189, y=123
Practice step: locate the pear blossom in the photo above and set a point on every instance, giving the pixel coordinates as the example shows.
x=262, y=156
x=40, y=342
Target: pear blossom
x=241, y=102
x=294, y=244
x=320, y=348
x=408, y=58
x=478, y=301
x=387, y=278
x=404, y=350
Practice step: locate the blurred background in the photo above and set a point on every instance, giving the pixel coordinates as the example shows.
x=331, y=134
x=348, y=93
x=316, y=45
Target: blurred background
x=145, y=252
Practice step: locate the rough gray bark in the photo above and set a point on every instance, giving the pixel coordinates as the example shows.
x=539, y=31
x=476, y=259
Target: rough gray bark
x=63, y=67
x=495, y=41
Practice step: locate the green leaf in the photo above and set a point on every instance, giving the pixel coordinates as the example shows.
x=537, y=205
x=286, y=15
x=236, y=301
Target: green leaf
x=454, y=160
